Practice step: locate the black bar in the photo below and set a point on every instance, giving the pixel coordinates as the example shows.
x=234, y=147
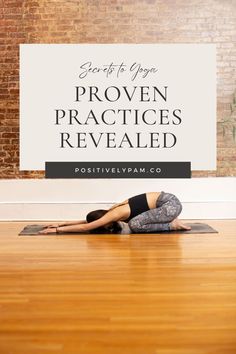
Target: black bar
x=117, y=169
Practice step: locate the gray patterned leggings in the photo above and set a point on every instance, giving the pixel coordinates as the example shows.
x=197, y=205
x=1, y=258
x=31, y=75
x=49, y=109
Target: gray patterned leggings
x=168, y=207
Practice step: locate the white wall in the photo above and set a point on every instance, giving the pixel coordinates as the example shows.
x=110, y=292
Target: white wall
x=65, y=199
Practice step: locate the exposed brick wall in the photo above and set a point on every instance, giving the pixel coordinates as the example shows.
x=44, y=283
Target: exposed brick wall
x=117, y=21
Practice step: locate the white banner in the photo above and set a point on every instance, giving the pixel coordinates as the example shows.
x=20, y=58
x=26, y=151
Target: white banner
x=117, y=102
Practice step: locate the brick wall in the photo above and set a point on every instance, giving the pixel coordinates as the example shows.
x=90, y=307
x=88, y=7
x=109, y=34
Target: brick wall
x=117, y=21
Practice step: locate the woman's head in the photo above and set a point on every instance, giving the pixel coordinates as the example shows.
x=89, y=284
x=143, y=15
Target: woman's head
x=95, y=214
x=113, y=227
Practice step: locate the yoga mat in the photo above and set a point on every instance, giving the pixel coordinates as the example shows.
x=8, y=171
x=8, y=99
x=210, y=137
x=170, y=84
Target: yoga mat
x=196, y=228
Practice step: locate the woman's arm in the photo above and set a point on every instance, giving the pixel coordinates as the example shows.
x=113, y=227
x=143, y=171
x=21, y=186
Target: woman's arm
x=73, y=222
x=119, y=204
x=110, y=216
x=66, y=223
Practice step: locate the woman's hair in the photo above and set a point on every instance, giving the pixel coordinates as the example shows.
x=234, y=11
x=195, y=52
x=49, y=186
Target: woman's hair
x=113, y=228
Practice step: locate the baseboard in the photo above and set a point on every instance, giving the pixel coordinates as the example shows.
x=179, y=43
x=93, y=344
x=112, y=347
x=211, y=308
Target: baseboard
x=38, y=200
x=74, y=211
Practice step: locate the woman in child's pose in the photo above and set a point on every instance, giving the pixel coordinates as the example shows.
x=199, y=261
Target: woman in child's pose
x=147, y=212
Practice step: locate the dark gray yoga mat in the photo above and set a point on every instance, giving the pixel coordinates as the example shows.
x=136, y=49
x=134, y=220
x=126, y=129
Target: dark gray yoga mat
x=196, y=228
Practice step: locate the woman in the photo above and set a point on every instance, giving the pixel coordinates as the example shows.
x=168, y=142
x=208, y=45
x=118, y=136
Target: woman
x=144, y=213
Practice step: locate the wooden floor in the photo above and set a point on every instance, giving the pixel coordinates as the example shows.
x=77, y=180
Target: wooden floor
x=128, y=294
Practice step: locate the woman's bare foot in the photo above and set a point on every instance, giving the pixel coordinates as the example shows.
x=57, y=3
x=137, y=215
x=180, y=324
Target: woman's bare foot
x=176, y=224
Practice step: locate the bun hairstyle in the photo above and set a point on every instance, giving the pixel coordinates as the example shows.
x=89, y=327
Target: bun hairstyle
x=112, y=228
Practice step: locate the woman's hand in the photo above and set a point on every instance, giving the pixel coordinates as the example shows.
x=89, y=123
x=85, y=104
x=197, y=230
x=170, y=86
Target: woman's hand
x=49, y=230
x=72, y=228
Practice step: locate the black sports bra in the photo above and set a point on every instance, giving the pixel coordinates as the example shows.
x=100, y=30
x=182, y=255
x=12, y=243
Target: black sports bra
x=138, y=204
